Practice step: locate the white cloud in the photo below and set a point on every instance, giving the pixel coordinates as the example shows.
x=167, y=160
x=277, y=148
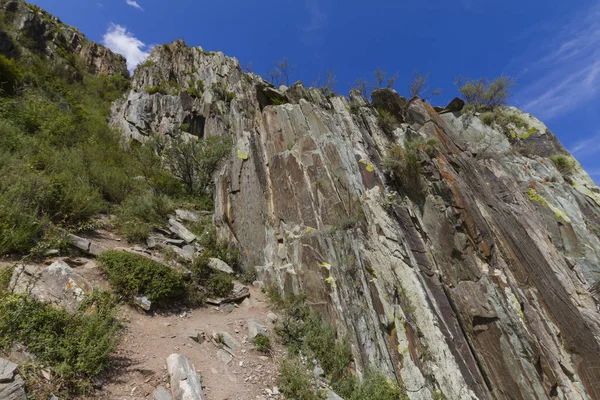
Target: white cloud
x=318, y=18
x=586, y=147
x=135, y=4
x=566, y=73
x=119, y=40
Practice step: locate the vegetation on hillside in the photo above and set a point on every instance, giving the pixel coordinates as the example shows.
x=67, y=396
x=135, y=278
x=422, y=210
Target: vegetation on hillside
x=307, y=336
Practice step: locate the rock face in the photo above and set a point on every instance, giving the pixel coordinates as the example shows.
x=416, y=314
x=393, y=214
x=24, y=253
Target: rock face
x=480, y=286
x=40, y=32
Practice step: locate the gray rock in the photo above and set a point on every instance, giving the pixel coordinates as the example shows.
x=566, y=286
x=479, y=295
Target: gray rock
x=7, y=370
x=255, y=329
x=160, y=393
x=14, y=390
x=186, y=215
x=218, y=265
x=227, y=308
x=57, y=284
x=178, y=229
x=86, y=245
x=229, y=341
x=142, y=302
x=318, y=371
x=185, y=382
x=331, y=395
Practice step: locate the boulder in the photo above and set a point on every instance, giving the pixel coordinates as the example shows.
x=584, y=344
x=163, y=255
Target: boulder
x=181, y=231
x=255, y=329
x=218, y=265
x=457, y=104
x=7, y=370
x=185, y=382
x=57, y=284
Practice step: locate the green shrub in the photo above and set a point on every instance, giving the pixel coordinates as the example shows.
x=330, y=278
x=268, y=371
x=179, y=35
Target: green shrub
x=75, y=347
x=295, y=382
x=564, y=164
x=132, y=274
x=249, y=276
x=377, y=386
x=10, y=76
x=487, y=118
x=483, y=94
x=156, y=89
x=403, y=166
x=5, y=277
x=194, y=162
x=354, y=107
x=139, y=213
x=387, y=121
x=262, y=343
x=219, y=284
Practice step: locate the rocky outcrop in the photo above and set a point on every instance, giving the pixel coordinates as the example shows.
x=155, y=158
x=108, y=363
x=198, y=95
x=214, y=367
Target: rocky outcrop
x=56, y=284
x=26, y=27
x=478, y=285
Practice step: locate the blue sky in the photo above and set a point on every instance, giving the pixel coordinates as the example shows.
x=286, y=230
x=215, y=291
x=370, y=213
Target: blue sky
x=552, y=47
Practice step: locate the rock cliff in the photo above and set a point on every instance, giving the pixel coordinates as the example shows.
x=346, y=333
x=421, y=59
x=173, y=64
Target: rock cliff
x=481, y=285
x=27, y=28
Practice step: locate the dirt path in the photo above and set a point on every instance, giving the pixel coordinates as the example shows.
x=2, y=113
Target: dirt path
x=149, y=340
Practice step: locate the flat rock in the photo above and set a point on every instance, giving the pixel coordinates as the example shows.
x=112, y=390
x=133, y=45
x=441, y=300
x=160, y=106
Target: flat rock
x=7, y=370
x=14, y=390
x=255, y=329
x=219, y=265
x=229, y=341
x=187, y=215
x=227, y=307
x=86, y=245
x=185, y=382
x=181, y=231
x=160, y=393
x=57, y=284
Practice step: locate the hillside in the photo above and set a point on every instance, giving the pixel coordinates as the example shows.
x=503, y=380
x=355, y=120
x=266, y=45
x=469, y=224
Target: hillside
x=455, y=253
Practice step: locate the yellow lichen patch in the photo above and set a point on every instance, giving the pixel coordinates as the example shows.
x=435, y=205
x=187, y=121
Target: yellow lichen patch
x=363, y=161
x=535, y=196
x=309, y=229
x=326, y=265
x=370, y=168
x=242, y=155
x=529, y=132
x=331, y=282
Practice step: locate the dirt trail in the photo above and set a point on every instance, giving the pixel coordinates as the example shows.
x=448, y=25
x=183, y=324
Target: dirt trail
x=149, y=340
